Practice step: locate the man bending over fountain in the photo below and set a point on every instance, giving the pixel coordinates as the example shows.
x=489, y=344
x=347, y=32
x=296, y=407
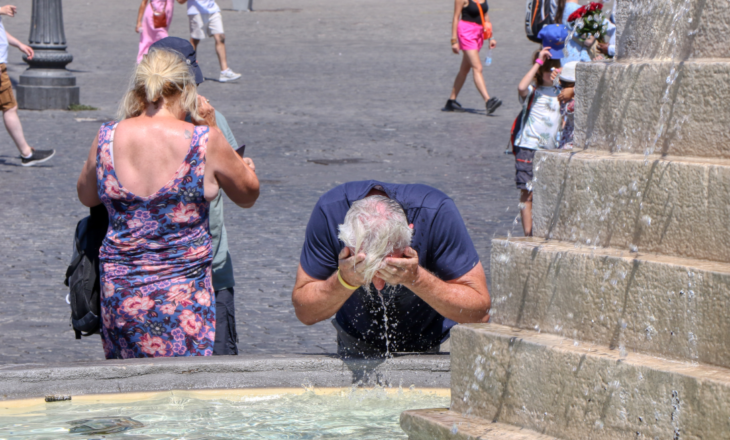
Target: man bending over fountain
x=396, y=265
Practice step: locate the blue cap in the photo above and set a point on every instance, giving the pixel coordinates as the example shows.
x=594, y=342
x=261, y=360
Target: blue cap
x=184, y=48
x=554, y=36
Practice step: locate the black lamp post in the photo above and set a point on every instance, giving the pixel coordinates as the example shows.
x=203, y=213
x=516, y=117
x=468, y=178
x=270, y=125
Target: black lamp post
x=46, y=84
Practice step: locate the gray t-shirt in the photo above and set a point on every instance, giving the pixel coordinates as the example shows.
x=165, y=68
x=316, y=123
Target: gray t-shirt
x=222, y=264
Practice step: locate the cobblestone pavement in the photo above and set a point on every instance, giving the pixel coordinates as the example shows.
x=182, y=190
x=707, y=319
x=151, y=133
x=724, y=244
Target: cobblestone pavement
x=322, y=81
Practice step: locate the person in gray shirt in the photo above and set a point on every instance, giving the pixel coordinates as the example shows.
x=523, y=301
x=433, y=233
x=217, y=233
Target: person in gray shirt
x=223, y=281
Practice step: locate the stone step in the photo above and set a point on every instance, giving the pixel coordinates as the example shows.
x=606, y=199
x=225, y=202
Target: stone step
x=682, y=29
x=669, y=306
x=442, y=424
x=545, y=383
x=660, y=107
x=671, y=206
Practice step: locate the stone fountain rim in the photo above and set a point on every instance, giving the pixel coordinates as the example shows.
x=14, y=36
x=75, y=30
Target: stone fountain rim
x=24, y=381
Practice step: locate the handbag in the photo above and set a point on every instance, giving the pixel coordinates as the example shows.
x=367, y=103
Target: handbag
x=159, y=18
x=487, y=26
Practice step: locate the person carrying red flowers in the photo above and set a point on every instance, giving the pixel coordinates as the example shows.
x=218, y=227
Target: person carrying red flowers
x=566, y=13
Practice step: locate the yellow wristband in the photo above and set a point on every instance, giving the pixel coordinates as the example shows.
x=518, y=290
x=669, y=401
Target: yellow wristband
x=344, y=283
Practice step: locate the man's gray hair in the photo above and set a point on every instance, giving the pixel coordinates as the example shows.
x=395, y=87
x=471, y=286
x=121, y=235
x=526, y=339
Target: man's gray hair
x=375, y=226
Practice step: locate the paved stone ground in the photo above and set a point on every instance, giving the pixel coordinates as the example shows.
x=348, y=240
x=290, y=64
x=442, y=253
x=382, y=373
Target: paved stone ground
x=321, y=80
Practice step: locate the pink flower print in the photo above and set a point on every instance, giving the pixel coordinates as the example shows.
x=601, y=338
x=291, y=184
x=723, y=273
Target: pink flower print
x=120, y=322
x=168, y=309
x=208, y=332
x=136, y=306
x=179, y=348
x=203, y=298
x=135, y=223
x=178, y=334
x=179, y=294
x=200, y=170
x=107, y=290
x=207, y=353
x=184, y=213
x=154, y=346
x=112, y=189
x=183, y=171
x=99, y=173
x=150, y=279
x=106, y=317
x=190, y=322
x=195, y=253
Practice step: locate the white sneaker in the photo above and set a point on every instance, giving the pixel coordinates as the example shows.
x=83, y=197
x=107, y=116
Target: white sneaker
x=229, y=75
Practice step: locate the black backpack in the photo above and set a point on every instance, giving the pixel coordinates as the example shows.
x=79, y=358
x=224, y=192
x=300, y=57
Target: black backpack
x=82, y=275
x=538, y=14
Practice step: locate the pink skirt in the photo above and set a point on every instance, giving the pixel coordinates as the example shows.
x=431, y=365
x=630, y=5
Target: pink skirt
x=471, y=35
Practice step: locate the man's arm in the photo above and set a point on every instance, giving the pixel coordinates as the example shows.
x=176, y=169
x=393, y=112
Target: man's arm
x=464, y=299
x=316, y=300
x=23, y=48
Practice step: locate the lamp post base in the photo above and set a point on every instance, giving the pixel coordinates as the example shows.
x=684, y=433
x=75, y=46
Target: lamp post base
x=46, y=89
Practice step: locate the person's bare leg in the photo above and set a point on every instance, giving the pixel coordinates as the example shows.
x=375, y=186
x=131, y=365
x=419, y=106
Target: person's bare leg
x=12, y=124
x=476, y=67
x=194, y=42
x=220, y=50
x=461, y=76
x=526, y=211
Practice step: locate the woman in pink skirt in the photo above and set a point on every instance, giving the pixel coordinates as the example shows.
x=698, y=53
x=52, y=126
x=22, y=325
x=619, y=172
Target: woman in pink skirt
x=467, y=34
x=148, y=33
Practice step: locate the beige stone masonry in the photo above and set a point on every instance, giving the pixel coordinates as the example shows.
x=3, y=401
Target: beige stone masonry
x=672, y=206
x=547, y=384
x=679, y=29
x=669, y=306
x=442, y=424
x=631, y=107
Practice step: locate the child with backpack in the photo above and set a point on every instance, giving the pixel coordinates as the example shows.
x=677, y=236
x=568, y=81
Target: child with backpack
x=540, y=119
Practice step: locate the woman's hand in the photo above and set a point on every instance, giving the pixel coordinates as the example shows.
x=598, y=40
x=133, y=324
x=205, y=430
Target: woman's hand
x=138, y=28
x=455, y=48
x=492, y=44
x=206, y=112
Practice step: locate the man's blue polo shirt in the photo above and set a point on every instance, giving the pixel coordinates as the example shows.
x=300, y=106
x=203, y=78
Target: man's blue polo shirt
x=444, y=249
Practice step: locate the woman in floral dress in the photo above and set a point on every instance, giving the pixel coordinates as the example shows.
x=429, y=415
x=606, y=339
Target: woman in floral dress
x=156, y=174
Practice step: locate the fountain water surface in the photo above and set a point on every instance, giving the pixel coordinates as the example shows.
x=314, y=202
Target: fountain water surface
x=612, y=322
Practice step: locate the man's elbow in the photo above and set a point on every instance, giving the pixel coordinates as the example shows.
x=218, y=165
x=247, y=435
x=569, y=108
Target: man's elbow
x=304, y=317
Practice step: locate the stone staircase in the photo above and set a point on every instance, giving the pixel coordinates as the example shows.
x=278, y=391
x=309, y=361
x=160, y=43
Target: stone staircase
x=612, y=322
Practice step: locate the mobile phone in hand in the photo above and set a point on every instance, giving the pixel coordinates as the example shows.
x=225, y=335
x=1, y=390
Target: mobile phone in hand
x=240, y=150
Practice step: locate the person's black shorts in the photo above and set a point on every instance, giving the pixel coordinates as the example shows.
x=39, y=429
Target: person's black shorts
x=225, y=323
x=523, y=166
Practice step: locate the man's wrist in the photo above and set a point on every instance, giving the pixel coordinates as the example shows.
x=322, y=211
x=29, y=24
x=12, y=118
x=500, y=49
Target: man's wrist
x=344, y=283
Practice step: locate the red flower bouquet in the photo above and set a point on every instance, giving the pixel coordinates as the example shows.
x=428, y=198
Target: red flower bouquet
x=589, y=21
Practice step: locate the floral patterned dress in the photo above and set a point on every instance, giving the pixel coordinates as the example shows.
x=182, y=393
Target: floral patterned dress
x=157, y=298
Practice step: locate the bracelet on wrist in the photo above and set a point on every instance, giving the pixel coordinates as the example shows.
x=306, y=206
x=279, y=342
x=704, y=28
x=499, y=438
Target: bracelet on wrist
x=540, y=62
x=454, y=41
x=344, y=283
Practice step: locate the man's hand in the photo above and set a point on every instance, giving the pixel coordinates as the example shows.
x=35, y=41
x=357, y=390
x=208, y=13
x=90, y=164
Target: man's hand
x=403, y=271
x=348, y=265
x=603, y=48
x=566, y=94
x=8, y=10
x=27, y=50
x=206, y=112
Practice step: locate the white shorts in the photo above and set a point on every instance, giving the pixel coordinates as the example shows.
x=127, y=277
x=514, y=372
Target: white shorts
x=202, y=25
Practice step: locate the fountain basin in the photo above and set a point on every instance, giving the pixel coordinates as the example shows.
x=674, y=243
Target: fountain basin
x=274, y=413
